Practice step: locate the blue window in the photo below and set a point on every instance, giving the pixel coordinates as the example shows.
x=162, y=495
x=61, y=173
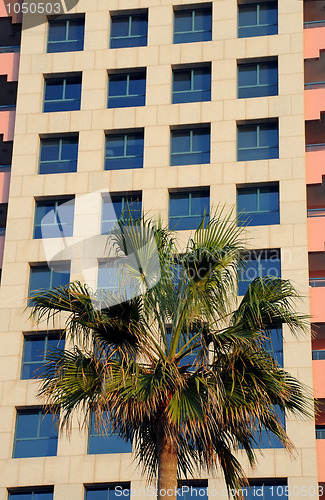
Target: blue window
x=124, y=151
x=259, y=263
x=258, y=141
x=127, y=89
x=190, y=146
x=36, y=350
x=113, y=208
x=129, y=30
x=43, y=277
x=54, y=218
x=258, y=206
x=320, y=431
x=187, y=209
x=31, y=494
x=100, y=442
x=257, y=19
x=66, y=35
x=193, y=25
x=108, y=492
x=274, y=345
x=36, y=434
x=257, y=79
x=192, y=489
x=191, y=85
x=59, y=155
x=62, y=94
x=266, y=490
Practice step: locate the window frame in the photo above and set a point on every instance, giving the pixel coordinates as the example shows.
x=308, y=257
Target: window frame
x=41, y=414
x=249, y=89
x=140, y=99
x=32, y=491
x=109, y=486
x=275, y=482
x=273, y=151
x=192, y=95
x=99, y=434
x=191, y=130
x=258, y=256
x=135, y=160
x=66, y=40
x=203, y=191
x=177, y=35
x=60, y=161
x=54, y=335
x=248, y=216
x=63, y=100
x=61, y=225
x=125, y=200
x=131, y=18
x=259, y=25
x=66, y=264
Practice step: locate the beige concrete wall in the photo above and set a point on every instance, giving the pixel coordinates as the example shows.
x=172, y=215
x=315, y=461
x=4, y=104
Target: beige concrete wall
x=72, y=467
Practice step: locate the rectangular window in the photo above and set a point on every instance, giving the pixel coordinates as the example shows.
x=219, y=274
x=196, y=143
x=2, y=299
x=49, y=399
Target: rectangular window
x=187, y=209
x=62, y=94
x=192, y=84
x=59, y=155
x=190, y=146
x=320, y=431
x=274, y=345
x=66, y=35
x=257, y=79
x=127, y=89
x=257, y=19
x=54, y=218
x=258, y=141
x=193, y=24
x=124, y=150
x=31, y=494
x=192, y=489
x=36, y=350
x=43, y=277
x=258, y=206
x=114, y=206
x=265, y=490
x=101, y=442
x=36, y=434
x=258, y=264
x=129, y=30
x=109, y=492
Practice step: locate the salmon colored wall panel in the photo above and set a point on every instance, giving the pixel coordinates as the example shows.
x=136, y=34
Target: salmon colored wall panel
x=2, y=245
x=4, y=186
x=316, y=234
x=317, y=303
x=314, y=41
x=9, y=65
x=314, y=103
x=4, y=11
x=7, y=124
x=319, y=378
x=320, y=446
x=315, y=164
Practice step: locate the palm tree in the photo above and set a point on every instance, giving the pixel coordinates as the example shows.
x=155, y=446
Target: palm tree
x=182, y=370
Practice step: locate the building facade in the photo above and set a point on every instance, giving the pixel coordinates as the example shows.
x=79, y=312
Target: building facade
x=180, y=107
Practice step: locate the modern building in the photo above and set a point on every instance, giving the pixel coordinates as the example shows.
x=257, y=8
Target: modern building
x=180, y=107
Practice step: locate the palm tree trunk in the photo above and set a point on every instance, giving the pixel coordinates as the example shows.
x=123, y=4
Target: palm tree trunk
x=167, y=467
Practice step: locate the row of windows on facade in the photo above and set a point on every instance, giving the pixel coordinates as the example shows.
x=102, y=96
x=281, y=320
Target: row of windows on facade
x=190, y=83
x=191, y=24
x=268, y=489
x=256, y=206
x=259, y=263
x=188, y=146
x=36, y=430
